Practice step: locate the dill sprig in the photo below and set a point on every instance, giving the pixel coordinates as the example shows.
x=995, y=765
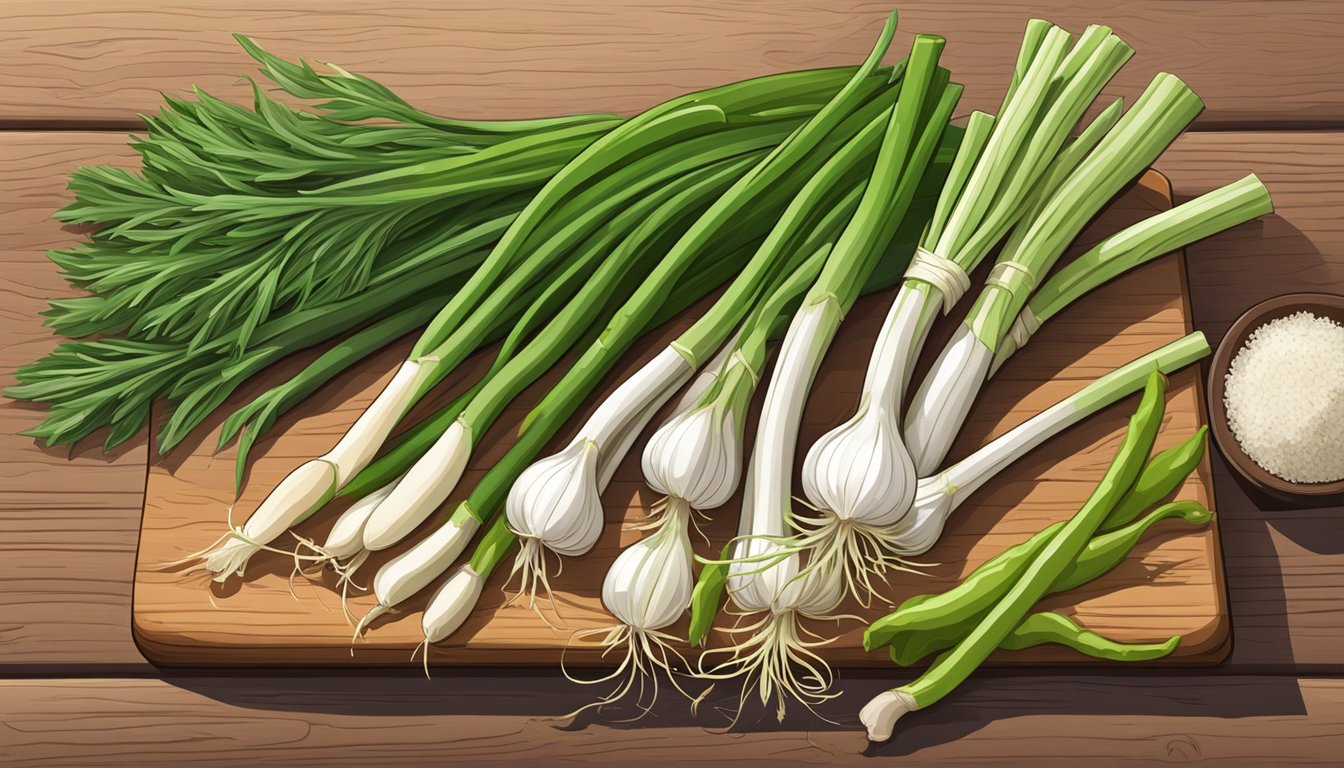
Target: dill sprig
x=252, y=232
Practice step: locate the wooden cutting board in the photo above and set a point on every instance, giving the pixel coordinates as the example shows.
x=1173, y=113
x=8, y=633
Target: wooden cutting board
x=1171, y=584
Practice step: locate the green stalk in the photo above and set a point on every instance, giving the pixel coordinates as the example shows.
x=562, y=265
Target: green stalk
x=1083, y=78
x=953, y=667
x=493, y=547
x=912, y=136
x=1032, y=39
x=1202, y=217
x=491, y=279
x=1073, y=153
x=939, y=622
x=1166, y=107
x=982, y=198
x=660, y=212
x=979, y=127
x=777, y=175
x=1053, y=628
x=711, y=329
x=661, y=124
x=1161, y=475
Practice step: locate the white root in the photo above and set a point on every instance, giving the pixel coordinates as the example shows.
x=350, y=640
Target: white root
x=778, y=660
x=556, y=503
x=314, y=482
x=554, y=506
x=647, y=654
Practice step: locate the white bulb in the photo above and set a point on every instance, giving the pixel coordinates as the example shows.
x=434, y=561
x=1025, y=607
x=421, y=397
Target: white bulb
x=861, y=470
x=768, y=584
x=918, y=531
x=695, y=456
x=649, y=585
x=557, y=501
x=816, y=592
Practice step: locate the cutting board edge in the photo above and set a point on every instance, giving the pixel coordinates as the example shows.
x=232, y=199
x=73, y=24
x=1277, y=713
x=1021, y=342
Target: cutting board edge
x=1212, y=648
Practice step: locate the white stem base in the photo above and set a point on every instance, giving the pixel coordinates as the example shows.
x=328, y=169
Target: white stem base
x=944, y=399
x=425, y=486
x=346, y=538
x=879, y=716
x=452, y=604
x=413, y=570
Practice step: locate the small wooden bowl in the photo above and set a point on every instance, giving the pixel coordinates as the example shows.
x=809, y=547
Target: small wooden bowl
x=1319, y=304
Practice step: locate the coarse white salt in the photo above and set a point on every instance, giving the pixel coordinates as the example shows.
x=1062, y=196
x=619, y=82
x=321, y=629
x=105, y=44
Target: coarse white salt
x=1285, y=398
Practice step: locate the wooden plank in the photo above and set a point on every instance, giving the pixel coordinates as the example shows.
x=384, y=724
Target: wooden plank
x=1256, y=62
x=67, y=524
x=1284, y=566
x=1285, y=561
x=1174, y=589
x=481, y=718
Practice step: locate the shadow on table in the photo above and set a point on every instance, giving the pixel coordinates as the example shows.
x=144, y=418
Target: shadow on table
x=1229, y=274
x=1315, y=524
x=979, y=702
x=991, y=696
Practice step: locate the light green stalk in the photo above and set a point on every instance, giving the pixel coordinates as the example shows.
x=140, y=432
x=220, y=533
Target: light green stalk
x=1202, y=217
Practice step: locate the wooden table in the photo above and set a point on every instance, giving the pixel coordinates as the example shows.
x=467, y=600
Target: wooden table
x=74, y=689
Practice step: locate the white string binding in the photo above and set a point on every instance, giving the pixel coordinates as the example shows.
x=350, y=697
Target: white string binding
x=942, y=273
x=738, y=358
x=1002, y=276
x=1024, y=327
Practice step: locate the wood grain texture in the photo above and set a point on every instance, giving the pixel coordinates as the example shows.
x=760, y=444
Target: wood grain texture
x=1173, y=588
x=1285, y=567
x=67, y=523
x=480, y=718
x=1256, y=62
x=1285, y=561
